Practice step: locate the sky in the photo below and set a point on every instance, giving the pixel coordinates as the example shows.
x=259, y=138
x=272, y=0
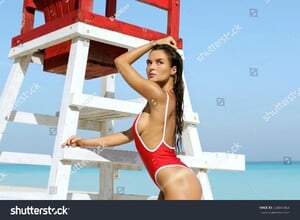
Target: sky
x=241, y=66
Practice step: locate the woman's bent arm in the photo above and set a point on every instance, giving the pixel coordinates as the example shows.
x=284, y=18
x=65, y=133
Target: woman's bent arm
x=105, y=141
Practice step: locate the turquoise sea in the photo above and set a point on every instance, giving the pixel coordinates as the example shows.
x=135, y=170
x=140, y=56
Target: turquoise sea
x=260, y=181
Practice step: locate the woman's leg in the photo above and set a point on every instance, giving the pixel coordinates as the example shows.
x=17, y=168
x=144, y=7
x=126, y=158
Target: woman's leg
x=179, y=183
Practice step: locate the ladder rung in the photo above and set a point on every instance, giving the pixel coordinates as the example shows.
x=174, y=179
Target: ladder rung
x=25, y=158
x=96, y=108
x=94, y=157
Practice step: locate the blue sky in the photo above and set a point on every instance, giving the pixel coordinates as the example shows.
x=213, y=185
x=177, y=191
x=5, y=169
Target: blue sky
x=241, y=65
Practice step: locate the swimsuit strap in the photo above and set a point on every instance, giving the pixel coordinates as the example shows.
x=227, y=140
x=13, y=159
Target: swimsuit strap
x=166, y=116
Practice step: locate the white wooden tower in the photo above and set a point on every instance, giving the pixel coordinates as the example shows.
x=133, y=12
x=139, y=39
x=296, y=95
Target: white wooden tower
x=80, y=44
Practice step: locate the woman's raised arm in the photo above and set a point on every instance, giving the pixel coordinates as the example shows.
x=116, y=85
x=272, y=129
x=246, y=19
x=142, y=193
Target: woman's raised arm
x=144, y=87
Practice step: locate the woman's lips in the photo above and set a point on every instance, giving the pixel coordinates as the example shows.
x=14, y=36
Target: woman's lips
x=150, y=75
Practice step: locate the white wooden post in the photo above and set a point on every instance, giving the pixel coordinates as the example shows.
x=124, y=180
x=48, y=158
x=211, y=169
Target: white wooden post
x=108, y=91
x=11, y=89
x=192, y=145
x=68, y=117
x=106, y=188
x=107, y=181
x=191, y=140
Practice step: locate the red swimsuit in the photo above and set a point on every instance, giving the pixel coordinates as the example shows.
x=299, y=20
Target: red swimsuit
x=160, y=157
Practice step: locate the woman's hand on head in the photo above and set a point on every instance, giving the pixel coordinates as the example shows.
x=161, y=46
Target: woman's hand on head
x=73, y=141
x=167, y=40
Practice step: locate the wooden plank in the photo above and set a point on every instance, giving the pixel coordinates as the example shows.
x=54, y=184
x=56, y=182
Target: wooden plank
x=45, y=29
x=173, y=18
x=157, y=3
x=28, y=16
x=59, y=8
x=67, y=6
x=94, y=157
x=51, y=7
x=33, y=118
x=78, y=29
x=173, y=9
x=216, y=161
x=94, y=20
x=25, y=158
x=111, y=7
x=85, y=5
x=49, y=120
x=83, y=102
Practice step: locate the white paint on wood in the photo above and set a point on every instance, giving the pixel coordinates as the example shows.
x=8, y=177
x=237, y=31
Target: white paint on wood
x=11, y=89
x=68, y=118
x=73, y=31
x=25, y=158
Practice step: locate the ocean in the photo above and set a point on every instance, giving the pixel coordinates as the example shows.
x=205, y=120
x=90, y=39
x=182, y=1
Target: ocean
x=260, y=181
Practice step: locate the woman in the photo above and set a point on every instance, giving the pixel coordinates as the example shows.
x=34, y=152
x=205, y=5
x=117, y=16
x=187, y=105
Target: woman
x=157, y=129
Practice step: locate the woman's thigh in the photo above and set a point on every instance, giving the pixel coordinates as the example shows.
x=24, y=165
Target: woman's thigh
x=179, y=183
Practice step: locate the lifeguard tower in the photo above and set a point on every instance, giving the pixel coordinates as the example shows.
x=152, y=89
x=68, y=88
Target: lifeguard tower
x=81, y=45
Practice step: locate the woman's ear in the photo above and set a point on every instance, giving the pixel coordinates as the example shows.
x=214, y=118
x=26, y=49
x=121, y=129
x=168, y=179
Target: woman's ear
x=174, y=70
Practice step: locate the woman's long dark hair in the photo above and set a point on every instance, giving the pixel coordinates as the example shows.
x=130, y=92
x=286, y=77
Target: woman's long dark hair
x=178, y=88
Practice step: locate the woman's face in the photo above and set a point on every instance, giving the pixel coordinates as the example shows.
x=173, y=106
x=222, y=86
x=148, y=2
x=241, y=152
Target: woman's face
x=159, y=67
